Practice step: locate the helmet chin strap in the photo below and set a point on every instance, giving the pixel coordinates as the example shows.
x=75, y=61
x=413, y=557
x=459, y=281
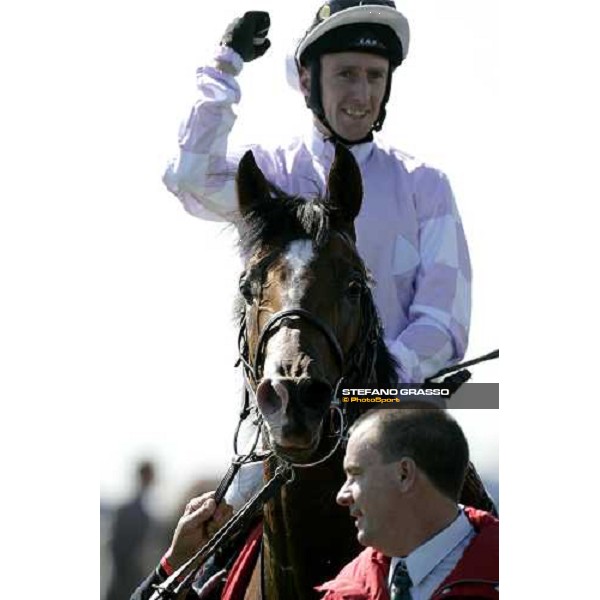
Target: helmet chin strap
x=335, y=137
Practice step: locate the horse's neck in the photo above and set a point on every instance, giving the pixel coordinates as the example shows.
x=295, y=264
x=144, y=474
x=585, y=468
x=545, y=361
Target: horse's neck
x=307, y=536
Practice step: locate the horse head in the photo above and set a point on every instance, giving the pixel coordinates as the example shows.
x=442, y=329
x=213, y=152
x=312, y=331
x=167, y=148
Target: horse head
x=308, y=314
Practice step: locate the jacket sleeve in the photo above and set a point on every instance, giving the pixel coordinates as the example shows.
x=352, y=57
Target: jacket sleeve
x=202, y=175
x=439, y=317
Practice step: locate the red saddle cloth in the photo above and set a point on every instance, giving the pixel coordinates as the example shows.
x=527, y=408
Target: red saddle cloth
x=241, y=571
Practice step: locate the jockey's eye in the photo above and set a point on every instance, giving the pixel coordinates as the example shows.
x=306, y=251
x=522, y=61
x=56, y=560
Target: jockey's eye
x=246, y=289
x=355, y=289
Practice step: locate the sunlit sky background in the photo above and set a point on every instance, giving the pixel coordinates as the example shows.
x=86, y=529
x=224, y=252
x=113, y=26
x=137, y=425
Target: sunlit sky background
x=167, y=341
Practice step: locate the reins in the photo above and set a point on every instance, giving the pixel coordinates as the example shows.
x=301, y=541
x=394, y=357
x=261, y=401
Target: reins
x=183, y=577
x=252, y=370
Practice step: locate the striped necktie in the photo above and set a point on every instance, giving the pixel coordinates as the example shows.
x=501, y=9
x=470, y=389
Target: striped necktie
x=401, y=583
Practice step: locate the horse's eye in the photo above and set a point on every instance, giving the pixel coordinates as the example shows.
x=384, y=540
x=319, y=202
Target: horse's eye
x=246, y=289
x=355, y=289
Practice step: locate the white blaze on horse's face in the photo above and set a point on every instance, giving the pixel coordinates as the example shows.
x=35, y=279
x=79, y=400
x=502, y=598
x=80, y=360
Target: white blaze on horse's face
x=291, y=425
x=298, y=257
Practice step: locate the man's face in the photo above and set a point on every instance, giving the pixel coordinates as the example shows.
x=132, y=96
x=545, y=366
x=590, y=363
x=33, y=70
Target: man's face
x=352, y=89
x=370, y=491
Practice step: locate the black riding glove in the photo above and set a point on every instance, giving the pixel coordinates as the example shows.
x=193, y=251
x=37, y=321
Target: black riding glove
x=247, y=35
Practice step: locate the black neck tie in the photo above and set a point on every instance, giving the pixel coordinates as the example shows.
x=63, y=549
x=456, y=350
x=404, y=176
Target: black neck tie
x=401, y=583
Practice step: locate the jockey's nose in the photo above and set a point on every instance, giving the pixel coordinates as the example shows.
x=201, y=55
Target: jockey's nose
x=361, y=90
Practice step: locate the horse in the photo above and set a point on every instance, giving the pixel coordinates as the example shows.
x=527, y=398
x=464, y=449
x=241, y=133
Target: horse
x=309, y=320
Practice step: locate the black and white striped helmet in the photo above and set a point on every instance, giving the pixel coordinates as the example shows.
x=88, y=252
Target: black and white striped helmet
x=334, y=18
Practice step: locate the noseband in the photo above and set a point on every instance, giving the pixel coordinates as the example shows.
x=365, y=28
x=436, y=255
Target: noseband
x=278, y=319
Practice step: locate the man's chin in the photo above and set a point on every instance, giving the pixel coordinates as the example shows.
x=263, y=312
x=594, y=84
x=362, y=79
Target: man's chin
x=363, y=538
x=354, y=135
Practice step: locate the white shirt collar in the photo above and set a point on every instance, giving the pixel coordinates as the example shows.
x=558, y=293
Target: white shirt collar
x=325, y=149
x=421, y=561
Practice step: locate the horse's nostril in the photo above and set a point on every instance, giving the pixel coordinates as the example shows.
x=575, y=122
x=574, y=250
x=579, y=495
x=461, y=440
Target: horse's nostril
x=316, y=394
x=271, y=396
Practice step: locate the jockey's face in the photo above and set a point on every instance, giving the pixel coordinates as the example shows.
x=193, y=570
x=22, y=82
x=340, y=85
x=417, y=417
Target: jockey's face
x=352, y=88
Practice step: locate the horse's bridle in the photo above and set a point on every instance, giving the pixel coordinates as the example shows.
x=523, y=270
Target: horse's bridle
x=279, y=318
x=352, y=365
x=253, y=369
x=285, y=471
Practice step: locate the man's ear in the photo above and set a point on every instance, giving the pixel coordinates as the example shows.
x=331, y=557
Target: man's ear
x=406, y=471
x=304, y=78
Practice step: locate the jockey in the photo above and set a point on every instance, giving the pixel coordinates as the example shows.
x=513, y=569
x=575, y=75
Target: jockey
x=409, y=232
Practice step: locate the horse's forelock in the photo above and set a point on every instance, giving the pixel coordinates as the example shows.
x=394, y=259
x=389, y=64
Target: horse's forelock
x=281, y=219
x=314, y=218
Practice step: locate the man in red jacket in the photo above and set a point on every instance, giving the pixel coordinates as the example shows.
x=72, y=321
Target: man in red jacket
x=404, y=472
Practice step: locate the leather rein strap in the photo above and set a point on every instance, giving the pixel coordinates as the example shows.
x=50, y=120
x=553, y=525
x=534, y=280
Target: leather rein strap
x=184, y=576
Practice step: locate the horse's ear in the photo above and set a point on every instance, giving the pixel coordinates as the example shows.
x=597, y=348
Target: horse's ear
x=252, y=187
x=344, y=187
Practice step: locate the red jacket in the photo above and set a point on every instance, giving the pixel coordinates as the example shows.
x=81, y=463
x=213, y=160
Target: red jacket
x=475, y=575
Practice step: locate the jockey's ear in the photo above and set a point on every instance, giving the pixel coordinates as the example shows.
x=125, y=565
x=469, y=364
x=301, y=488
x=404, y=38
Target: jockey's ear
x=252, y=187
x=344, y=189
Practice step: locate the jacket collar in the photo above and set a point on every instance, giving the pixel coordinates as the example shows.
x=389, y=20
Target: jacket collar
x=325, y=149
x=421, y=561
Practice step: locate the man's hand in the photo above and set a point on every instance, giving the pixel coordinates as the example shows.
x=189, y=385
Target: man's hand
x=196, y=526
x=247, y=35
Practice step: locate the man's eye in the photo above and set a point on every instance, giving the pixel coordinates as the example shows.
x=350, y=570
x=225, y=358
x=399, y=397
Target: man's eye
x=376, y=76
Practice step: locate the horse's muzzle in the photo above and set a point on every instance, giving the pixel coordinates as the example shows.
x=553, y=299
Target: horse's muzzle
x=293, y=410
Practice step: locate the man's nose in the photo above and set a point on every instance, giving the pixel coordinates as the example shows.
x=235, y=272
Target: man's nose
x=361, y=89
x=344, y=498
